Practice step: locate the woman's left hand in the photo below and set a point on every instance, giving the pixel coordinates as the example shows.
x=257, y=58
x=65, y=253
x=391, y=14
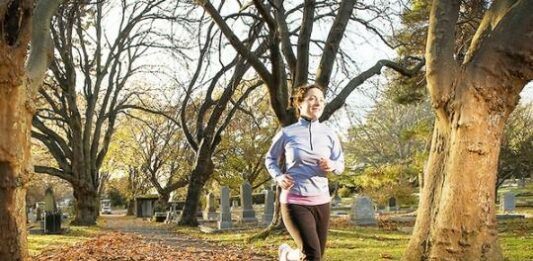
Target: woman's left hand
x=325, y=164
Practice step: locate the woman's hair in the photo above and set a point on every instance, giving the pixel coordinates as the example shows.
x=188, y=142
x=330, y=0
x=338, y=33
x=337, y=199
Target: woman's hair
x=299, y=93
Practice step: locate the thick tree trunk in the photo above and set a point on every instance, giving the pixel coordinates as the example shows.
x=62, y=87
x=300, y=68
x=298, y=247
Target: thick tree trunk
x=456, y=216
x=15, y=126
x=162, y=202
x=199, y=176
x=87, y=206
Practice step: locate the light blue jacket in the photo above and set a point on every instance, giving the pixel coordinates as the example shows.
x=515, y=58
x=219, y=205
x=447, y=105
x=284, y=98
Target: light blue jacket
x=303, y=144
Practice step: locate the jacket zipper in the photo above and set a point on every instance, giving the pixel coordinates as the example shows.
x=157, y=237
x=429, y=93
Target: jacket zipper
x=310, y=136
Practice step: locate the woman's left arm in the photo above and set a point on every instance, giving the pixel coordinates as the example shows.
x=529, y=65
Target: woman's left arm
x=337, y=156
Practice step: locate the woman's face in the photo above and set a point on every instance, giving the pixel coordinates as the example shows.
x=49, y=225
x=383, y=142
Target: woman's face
x=313, y=104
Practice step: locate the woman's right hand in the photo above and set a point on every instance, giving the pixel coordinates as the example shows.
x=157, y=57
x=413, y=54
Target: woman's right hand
x=285, y=181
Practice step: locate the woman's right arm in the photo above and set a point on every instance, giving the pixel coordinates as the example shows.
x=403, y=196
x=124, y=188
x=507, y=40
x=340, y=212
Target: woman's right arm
x=277, y=149
x=274, y=154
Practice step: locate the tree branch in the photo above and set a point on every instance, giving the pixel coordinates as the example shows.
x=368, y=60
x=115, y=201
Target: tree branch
x=235, y=42
x=504, y=57
x=41, y=44
x=340, y=99
x=302, y=61
x=285, y=35
x=441, y=66
x=331, y=47
x=54, y=172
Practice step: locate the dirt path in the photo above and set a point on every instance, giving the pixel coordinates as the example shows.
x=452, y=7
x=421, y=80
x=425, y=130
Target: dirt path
x=154, y=232
x=162, y=234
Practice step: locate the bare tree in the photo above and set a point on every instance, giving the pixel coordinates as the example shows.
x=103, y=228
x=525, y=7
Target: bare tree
x=278, y=36
x=88, y=90
x=472, y=99
x=239, y=156
x=212, y=95
x=163, y=151
x=20, y=24
x=286, y=64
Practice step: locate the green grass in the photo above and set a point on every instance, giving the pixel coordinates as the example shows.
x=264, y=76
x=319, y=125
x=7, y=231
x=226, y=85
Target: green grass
x=38, y=243
x=527, y=188
x=347, y=242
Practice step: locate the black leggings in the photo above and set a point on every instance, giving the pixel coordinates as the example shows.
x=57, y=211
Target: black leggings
x=308, y=226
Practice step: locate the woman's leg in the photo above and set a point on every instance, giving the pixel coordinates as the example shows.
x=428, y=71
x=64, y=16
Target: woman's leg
x=322, y=225
x=301, y=223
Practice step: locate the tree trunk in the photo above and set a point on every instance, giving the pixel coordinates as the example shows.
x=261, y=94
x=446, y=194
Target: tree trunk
x=131, y=207
x=162, y=203
x=17, y=90
x=87, y=206
x=15, y=126
x=199, y=176
x=456, y=216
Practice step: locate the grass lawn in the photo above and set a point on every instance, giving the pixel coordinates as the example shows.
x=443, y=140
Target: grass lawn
x=351, y=243
x=38, y=243
x=345, y=241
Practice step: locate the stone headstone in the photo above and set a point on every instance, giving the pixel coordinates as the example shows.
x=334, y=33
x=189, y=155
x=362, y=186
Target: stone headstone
x=52, y=217
x=32, y=217
x=269, y=207
x=210, y=212
x=248, y=213
x=508, y=203
x=49, y=201
x=391, y=204
x=224, y=221
x=362, y=213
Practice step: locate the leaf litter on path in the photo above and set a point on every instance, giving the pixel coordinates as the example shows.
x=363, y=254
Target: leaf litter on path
x=125, y=246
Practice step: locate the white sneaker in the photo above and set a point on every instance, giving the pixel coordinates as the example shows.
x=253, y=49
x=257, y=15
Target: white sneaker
x=287, y=253
x=283, y=250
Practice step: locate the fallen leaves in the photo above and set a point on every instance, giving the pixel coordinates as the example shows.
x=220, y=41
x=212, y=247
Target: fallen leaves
x=124, y=246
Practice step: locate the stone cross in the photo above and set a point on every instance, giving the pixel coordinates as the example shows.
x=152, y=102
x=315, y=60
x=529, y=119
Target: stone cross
x=247, y=214
x=210, y=212
x=362, y=213
x=224, y=221
x=269, y=207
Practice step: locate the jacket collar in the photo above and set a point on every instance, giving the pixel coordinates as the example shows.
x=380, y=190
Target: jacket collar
x=306, y=121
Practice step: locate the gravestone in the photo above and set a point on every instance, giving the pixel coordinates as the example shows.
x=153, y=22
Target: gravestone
x=362, y=213
x=224, y=221
x=508, y=203
x=391, y=204
x=32, y=217
x=49, y=201
x=247, y=213
x=210, y=212
x=269, y=207
x=52, y=217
